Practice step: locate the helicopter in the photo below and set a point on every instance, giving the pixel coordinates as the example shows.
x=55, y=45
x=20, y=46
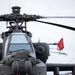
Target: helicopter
x=18, y=54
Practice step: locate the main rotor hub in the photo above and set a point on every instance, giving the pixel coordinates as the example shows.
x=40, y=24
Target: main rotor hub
x=16, y=9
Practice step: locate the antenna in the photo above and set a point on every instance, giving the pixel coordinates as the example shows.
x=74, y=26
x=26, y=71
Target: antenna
x=9, y=6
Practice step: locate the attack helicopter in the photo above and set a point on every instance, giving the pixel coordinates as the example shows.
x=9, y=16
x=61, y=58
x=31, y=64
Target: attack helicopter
x=18, y=54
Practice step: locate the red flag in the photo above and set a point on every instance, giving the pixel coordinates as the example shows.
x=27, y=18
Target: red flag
x=60, y=45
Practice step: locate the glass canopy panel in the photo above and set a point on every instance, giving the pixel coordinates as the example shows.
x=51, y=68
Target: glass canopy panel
x=19, y=38
x=20, y=47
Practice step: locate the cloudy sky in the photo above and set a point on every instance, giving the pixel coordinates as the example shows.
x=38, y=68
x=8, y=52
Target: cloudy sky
x=45, y=32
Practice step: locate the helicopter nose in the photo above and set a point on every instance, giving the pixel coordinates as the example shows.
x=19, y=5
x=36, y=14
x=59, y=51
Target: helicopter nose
x=21, y=67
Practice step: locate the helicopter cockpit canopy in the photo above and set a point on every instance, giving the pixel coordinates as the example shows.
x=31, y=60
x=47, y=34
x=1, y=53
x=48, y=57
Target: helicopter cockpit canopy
x=19, y=42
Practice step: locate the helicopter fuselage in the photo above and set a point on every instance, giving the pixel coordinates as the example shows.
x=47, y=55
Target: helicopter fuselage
x=19, y=56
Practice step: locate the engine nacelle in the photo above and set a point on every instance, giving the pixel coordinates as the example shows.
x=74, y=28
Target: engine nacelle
x=42, y=51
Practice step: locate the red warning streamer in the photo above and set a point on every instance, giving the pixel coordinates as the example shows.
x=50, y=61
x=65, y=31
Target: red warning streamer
x=60, y=44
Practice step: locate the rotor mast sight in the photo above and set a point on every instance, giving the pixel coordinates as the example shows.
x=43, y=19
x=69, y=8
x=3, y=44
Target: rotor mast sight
x=16, y=9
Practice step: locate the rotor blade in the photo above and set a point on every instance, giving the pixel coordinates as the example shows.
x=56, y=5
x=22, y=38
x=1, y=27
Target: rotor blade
x=58, y=17
x=59, y=25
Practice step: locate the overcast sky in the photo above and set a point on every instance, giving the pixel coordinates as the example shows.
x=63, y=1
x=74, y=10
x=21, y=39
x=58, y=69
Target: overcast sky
x=47, y=33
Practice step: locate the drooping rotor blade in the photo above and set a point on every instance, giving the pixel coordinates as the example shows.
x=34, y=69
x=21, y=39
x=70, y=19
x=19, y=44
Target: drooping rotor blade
x=59, y=25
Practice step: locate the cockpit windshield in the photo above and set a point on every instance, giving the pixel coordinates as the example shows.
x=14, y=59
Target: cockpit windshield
x=19, y=42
